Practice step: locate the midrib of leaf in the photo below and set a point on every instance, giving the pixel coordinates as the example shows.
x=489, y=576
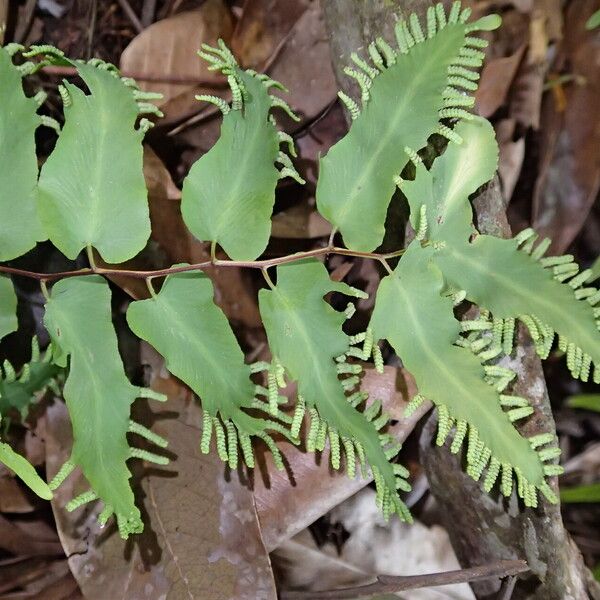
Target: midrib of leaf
x=389, y=132
x=238, y=183
x=216, y=368
x=466, y=392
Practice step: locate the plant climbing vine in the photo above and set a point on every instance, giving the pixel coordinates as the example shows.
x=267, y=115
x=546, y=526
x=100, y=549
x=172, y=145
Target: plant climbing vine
x=82, y=200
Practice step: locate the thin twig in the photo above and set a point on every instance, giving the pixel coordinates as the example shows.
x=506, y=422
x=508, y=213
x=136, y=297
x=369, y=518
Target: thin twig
x=388, y=585
x=131, y=15
x=217, y=82
x=244, y=264
x=148, y=12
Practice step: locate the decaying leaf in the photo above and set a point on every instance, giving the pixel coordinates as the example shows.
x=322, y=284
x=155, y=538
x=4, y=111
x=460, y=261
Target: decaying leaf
x=201, y=534
x=263, y=26
x=570, y=163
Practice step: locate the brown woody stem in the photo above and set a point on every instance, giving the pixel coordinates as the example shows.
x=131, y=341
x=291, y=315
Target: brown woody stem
x=252, y=264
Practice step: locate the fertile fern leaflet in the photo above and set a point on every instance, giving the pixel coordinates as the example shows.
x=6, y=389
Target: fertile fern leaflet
x=187, y=328
x=24, y=470
x=19, y=229
x=547, y=294
x=306, y=338
x=229, y=193
x=8, y=307
x=91, y=188
x=421, y=82
x=412, y=313
x=98, y=397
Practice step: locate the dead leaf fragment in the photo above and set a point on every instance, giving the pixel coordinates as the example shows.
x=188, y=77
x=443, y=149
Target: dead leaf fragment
x=264, y=24
x=569, y=178
x=168, y=49
x=496, y=78
x=304, y=66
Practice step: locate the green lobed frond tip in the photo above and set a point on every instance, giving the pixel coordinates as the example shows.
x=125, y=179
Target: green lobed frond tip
x=18, y=391
x=437, y=64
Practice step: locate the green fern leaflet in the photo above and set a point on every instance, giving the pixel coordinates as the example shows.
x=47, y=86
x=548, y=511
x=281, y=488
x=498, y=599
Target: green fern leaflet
x=187, y=328
x=417, y=318
x=91, y=189
x=306, y=338
x=98, y=396
x=19, y=229
x=404, y=96
x=229, y=193
x=25, y=471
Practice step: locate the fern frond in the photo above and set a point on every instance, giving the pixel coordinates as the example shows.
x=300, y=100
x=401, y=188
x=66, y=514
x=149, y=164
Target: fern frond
x=192, y=334
x=24, y=470
x=98, y=396
x=444, y=189
x=430, y=79
x=547, y=295
x=229, y=193
x=305, y=334
x=19, y=390
x=19, y=229
x=77, y=204
x=417, y=319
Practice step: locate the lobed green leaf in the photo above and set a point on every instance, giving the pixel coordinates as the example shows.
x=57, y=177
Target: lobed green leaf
x=412, y=313
x=8, y=307
x=229, y=193
x=193, y=335
x=91, y=188
x=510, y=283
x=402, y=107
x=444, y=189
x=20, y=227
x=97, y=392
x=305, y=335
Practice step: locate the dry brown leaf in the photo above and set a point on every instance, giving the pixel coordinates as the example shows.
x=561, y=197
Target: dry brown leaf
x=33, y=538
x=512, y=154
x=13, y=497
x=301, y=221
x=496, y=78
x=168, y=49
x=317, y=138
x=569, y=178
x=304, y=66
x=526, y=94
x=202, y=539
x=264, y=24
x=289, y=501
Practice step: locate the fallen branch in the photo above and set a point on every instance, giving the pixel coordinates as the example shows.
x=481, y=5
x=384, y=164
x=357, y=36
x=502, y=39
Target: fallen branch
x=386, y=584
